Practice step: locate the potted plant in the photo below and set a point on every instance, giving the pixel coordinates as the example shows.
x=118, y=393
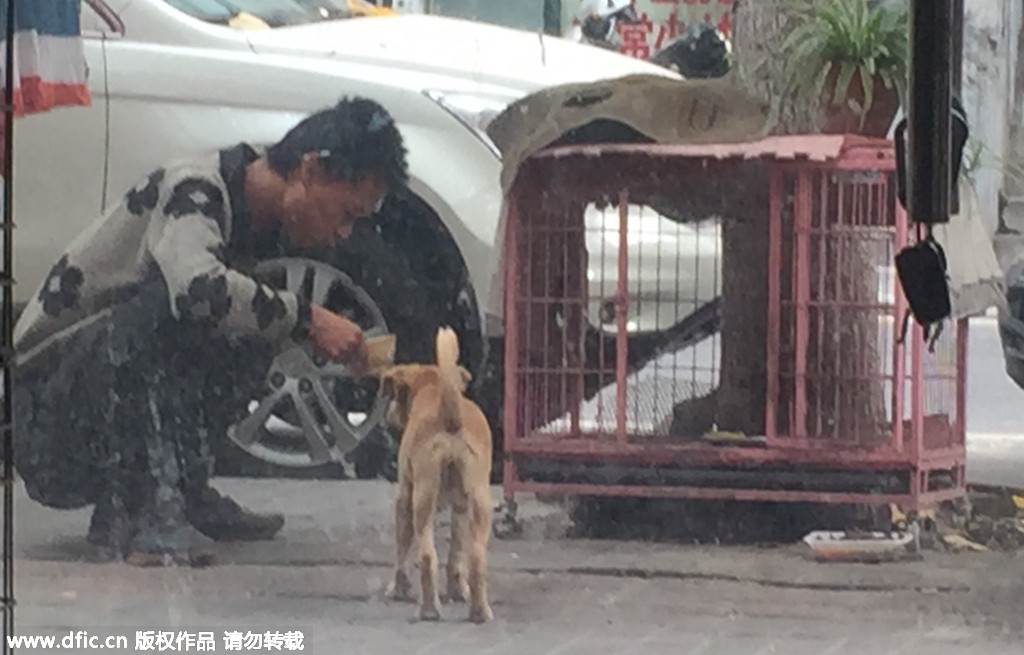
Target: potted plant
x=849, y=57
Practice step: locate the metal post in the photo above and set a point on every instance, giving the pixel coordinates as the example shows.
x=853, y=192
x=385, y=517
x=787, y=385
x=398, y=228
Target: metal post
x=929, y=111
x=621, y=312
x=957, y=48
x=956, y=67
x=6, y=348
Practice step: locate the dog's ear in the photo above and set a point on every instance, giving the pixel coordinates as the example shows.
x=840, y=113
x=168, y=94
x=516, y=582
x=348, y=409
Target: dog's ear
x=387, y=385
x=467, y=377
x=395, y=386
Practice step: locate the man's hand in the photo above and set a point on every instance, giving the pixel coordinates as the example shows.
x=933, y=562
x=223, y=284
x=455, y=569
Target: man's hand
x=338, y=339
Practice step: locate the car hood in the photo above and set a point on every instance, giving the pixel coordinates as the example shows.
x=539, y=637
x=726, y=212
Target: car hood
x=516, y=60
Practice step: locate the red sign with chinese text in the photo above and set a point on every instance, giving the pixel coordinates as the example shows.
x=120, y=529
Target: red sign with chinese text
x=663, y=20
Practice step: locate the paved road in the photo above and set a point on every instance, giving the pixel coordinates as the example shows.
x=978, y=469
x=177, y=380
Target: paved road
x=551, y=594
x=995, y=412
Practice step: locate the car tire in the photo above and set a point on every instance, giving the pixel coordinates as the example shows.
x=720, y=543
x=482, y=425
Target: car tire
x=415, y=276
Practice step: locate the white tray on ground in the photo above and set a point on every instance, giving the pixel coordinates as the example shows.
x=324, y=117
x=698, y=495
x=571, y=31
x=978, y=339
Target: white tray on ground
x=837, y=544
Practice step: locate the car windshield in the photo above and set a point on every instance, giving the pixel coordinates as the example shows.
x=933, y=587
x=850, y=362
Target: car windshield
x=275, y=13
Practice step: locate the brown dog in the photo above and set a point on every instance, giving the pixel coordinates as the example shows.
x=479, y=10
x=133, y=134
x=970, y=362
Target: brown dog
x=444, y=459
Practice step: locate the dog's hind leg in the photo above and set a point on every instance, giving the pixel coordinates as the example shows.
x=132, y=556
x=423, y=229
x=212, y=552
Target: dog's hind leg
x=458, y=584
x=424, y=502
x=480, y=528
x=401, y=587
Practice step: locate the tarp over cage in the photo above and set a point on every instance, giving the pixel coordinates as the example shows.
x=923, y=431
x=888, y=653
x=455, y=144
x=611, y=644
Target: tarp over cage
x=661, y=108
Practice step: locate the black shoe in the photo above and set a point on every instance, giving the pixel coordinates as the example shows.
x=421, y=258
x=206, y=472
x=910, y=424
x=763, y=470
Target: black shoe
x=222, y=519
x=111, y=526
x=168, y=545
x=99, y=523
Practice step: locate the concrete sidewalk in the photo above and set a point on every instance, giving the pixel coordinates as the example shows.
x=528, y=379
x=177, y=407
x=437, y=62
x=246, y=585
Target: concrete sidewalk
x=327, y=570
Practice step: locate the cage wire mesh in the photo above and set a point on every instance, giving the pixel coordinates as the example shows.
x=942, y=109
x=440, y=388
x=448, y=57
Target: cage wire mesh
x=672, y=311
x=600, y=278
x=939, y=390
x=841, y=317
x=837, y=302
x=673, y=269
x=621, y=267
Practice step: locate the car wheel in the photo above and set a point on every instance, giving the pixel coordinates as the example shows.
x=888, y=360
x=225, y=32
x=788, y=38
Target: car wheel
x=313, y=413
x=381, y=279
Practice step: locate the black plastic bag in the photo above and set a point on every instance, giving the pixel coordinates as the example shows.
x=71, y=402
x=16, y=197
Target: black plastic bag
x=925, y=281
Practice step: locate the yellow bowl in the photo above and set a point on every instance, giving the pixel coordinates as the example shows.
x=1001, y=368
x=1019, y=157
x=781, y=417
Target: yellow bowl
x=380, y=353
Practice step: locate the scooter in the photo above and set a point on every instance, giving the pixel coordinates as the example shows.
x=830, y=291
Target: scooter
x=595, y=22
x=702, y=51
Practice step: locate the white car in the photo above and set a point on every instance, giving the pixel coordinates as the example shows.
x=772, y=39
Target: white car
x=170, y=78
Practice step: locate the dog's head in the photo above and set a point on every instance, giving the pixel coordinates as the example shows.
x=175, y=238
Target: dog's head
x=400, y=384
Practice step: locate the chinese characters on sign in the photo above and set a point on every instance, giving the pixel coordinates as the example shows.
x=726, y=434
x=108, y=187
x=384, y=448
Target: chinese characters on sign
x=234, y=640
x=661, y=21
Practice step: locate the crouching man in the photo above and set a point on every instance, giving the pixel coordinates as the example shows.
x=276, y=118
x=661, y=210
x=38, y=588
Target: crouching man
x=149, y=336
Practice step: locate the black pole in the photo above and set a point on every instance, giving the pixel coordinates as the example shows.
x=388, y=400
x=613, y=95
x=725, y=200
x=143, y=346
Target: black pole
x=956, y=85
x=957, y=45
x=931, y=23
x=7, y=350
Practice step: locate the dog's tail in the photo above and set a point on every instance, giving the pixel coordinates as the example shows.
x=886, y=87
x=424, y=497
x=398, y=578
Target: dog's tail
x=451, y=379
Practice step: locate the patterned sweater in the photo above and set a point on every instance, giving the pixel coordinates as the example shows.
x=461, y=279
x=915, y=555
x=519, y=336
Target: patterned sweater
x=185, y=224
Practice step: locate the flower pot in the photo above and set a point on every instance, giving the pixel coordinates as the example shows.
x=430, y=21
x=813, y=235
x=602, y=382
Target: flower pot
x=842, y=119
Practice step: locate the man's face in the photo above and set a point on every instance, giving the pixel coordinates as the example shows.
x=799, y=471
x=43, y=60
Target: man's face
x=320, y=209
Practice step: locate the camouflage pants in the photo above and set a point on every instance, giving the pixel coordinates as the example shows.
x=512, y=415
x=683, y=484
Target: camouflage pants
x=123, y=410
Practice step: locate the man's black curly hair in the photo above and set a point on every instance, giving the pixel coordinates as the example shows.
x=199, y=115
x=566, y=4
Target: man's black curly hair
x=356, y=137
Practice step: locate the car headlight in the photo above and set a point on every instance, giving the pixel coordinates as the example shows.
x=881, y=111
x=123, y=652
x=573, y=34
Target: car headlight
x=473, y=110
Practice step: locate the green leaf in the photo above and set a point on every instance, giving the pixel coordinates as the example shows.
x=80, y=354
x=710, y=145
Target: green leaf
x=846, y=72
x=886, y=78
x=849, y=37
x=868, y=85
x=818, y=87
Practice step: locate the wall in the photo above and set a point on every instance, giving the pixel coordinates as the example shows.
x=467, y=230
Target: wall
x=990, y=54
x=1014, y=96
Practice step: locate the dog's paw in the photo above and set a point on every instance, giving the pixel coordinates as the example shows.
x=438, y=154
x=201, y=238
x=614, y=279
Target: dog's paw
x=507, y=527
x=430, y=614
x=400, y=591
x=457, y=593
x=481, y=614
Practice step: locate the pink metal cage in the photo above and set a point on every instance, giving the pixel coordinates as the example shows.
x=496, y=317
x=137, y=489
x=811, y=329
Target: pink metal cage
x=722, y=322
